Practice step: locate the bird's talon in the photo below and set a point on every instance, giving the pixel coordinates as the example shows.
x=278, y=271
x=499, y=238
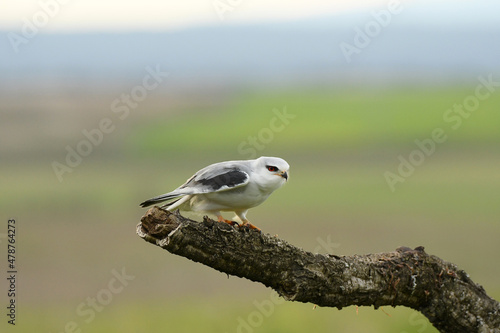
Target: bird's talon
x=250, y=226
x=233, y=223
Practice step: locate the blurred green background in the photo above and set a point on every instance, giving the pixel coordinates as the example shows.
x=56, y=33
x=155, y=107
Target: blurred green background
x=259, y=80
x=73, y=234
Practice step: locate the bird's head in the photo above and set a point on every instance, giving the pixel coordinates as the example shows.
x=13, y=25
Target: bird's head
x=272, y=171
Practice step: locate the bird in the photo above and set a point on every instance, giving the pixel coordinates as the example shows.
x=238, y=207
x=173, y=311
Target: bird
x=233, y=186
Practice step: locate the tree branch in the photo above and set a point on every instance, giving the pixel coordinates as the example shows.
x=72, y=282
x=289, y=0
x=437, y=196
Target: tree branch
x=443, y=293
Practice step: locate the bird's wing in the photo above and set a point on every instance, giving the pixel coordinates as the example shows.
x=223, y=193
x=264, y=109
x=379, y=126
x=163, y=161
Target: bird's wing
x=216, y=178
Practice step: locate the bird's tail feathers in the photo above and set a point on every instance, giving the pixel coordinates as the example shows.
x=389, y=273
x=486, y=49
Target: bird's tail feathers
x=161, y=198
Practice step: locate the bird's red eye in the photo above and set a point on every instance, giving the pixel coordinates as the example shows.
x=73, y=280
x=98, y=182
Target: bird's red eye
x=272, y=168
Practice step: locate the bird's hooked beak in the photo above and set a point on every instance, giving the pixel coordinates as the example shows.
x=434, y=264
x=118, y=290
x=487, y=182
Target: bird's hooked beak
x=284, y=174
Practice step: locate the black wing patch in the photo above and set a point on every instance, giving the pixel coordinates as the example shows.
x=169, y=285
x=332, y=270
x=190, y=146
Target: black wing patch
x=227, y=180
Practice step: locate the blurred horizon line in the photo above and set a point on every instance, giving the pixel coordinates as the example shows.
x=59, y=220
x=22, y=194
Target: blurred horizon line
x=387, y=46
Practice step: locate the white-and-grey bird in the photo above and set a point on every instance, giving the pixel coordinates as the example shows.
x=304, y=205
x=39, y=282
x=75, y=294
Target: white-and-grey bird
x=227, y=186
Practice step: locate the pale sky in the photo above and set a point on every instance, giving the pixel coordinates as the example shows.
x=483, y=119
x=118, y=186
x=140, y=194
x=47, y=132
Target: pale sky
x=106, y=15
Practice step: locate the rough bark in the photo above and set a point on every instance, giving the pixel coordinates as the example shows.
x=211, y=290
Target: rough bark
x=440, y=290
